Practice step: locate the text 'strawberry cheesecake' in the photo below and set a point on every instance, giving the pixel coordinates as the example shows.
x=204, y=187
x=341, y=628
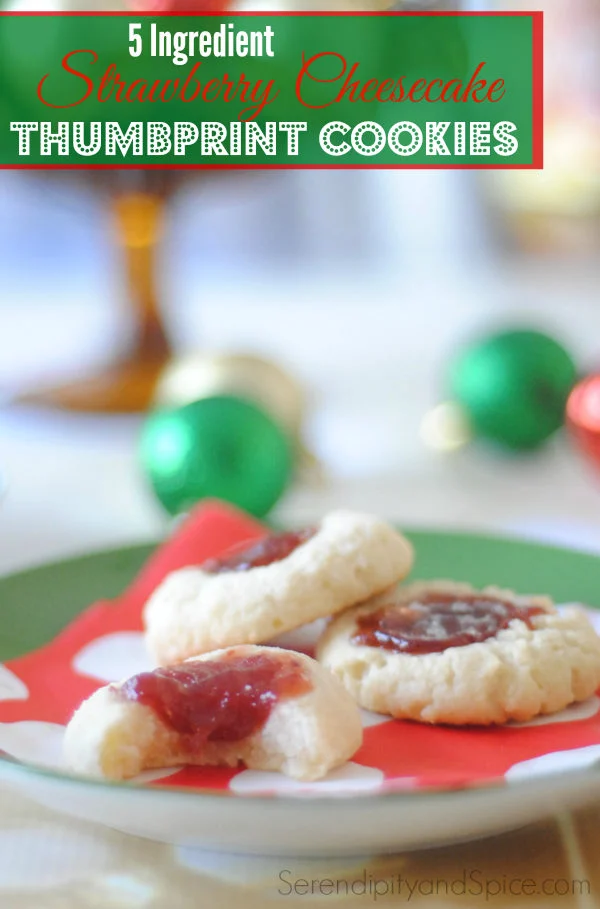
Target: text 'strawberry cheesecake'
x=257, y=592
x=269, y=708
x=441, y=652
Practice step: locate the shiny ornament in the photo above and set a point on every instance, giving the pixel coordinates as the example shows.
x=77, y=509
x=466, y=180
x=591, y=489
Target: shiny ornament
x=219, y=447
x=179, y=6
x=513, y=387
x=583, y=417
x=446, y=428
x=200, y=375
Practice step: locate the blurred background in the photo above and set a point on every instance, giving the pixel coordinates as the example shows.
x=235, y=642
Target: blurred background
x=380, y=301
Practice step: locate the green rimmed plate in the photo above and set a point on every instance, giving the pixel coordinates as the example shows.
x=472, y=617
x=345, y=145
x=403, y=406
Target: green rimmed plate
x=35, y=605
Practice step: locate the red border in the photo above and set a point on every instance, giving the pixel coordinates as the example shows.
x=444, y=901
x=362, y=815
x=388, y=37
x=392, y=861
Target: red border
x=537, y=18
x=538, y=89
x=276, y=13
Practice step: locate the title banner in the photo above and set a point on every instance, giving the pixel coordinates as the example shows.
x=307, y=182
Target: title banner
x=271, y=90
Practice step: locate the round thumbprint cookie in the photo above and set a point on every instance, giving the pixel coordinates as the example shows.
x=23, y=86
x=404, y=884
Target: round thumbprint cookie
x=442, y=652
x=254, y=593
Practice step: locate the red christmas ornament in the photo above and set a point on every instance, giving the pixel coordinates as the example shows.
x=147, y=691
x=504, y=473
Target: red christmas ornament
x=583, y=417
x=179, y=6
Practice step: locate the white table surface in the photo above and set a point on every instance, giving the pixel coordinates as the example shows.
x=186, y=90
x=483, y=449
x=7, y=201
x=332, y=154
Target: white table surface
x=372, y=355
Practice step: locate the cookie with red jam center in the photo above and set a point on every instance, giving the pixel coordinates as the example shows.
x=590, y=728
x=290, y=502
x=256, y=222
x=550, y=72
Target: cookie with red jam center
x=434, y=622
x=442, y=652
x=259, y=590
x=264, y=707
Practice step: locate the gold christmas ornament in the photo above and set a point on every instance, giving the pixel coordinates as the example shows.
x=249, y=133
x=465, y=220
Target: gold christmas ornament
x=202, y=375
x=197, y=376
x=446, y=428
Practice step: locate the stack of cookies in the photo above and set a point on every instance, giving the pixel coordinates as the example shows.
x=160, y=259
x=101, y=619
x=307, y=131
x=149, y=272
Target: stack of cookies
x=435, y=652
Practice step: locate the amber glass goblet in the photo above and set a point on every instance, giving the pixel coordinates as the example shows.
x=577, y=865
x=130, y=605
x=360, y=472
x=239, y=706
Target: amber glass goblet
x=138, y=201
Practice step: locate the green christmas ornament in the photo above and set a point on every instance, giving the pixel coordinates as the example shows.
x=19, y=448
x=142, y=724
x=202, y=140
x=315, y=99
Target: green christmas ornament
x=221, y=447
x=513, y=387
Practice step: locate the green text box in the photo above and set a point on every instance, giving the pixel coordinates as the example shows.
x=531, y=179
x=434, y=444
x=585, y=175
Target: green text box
x=268, y=90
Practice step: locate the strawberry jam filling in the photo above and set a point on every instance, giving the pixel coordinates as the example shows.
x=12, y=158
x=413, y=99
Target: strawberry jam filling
x=222, y=700
x=438, y=621
x=274, y=548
